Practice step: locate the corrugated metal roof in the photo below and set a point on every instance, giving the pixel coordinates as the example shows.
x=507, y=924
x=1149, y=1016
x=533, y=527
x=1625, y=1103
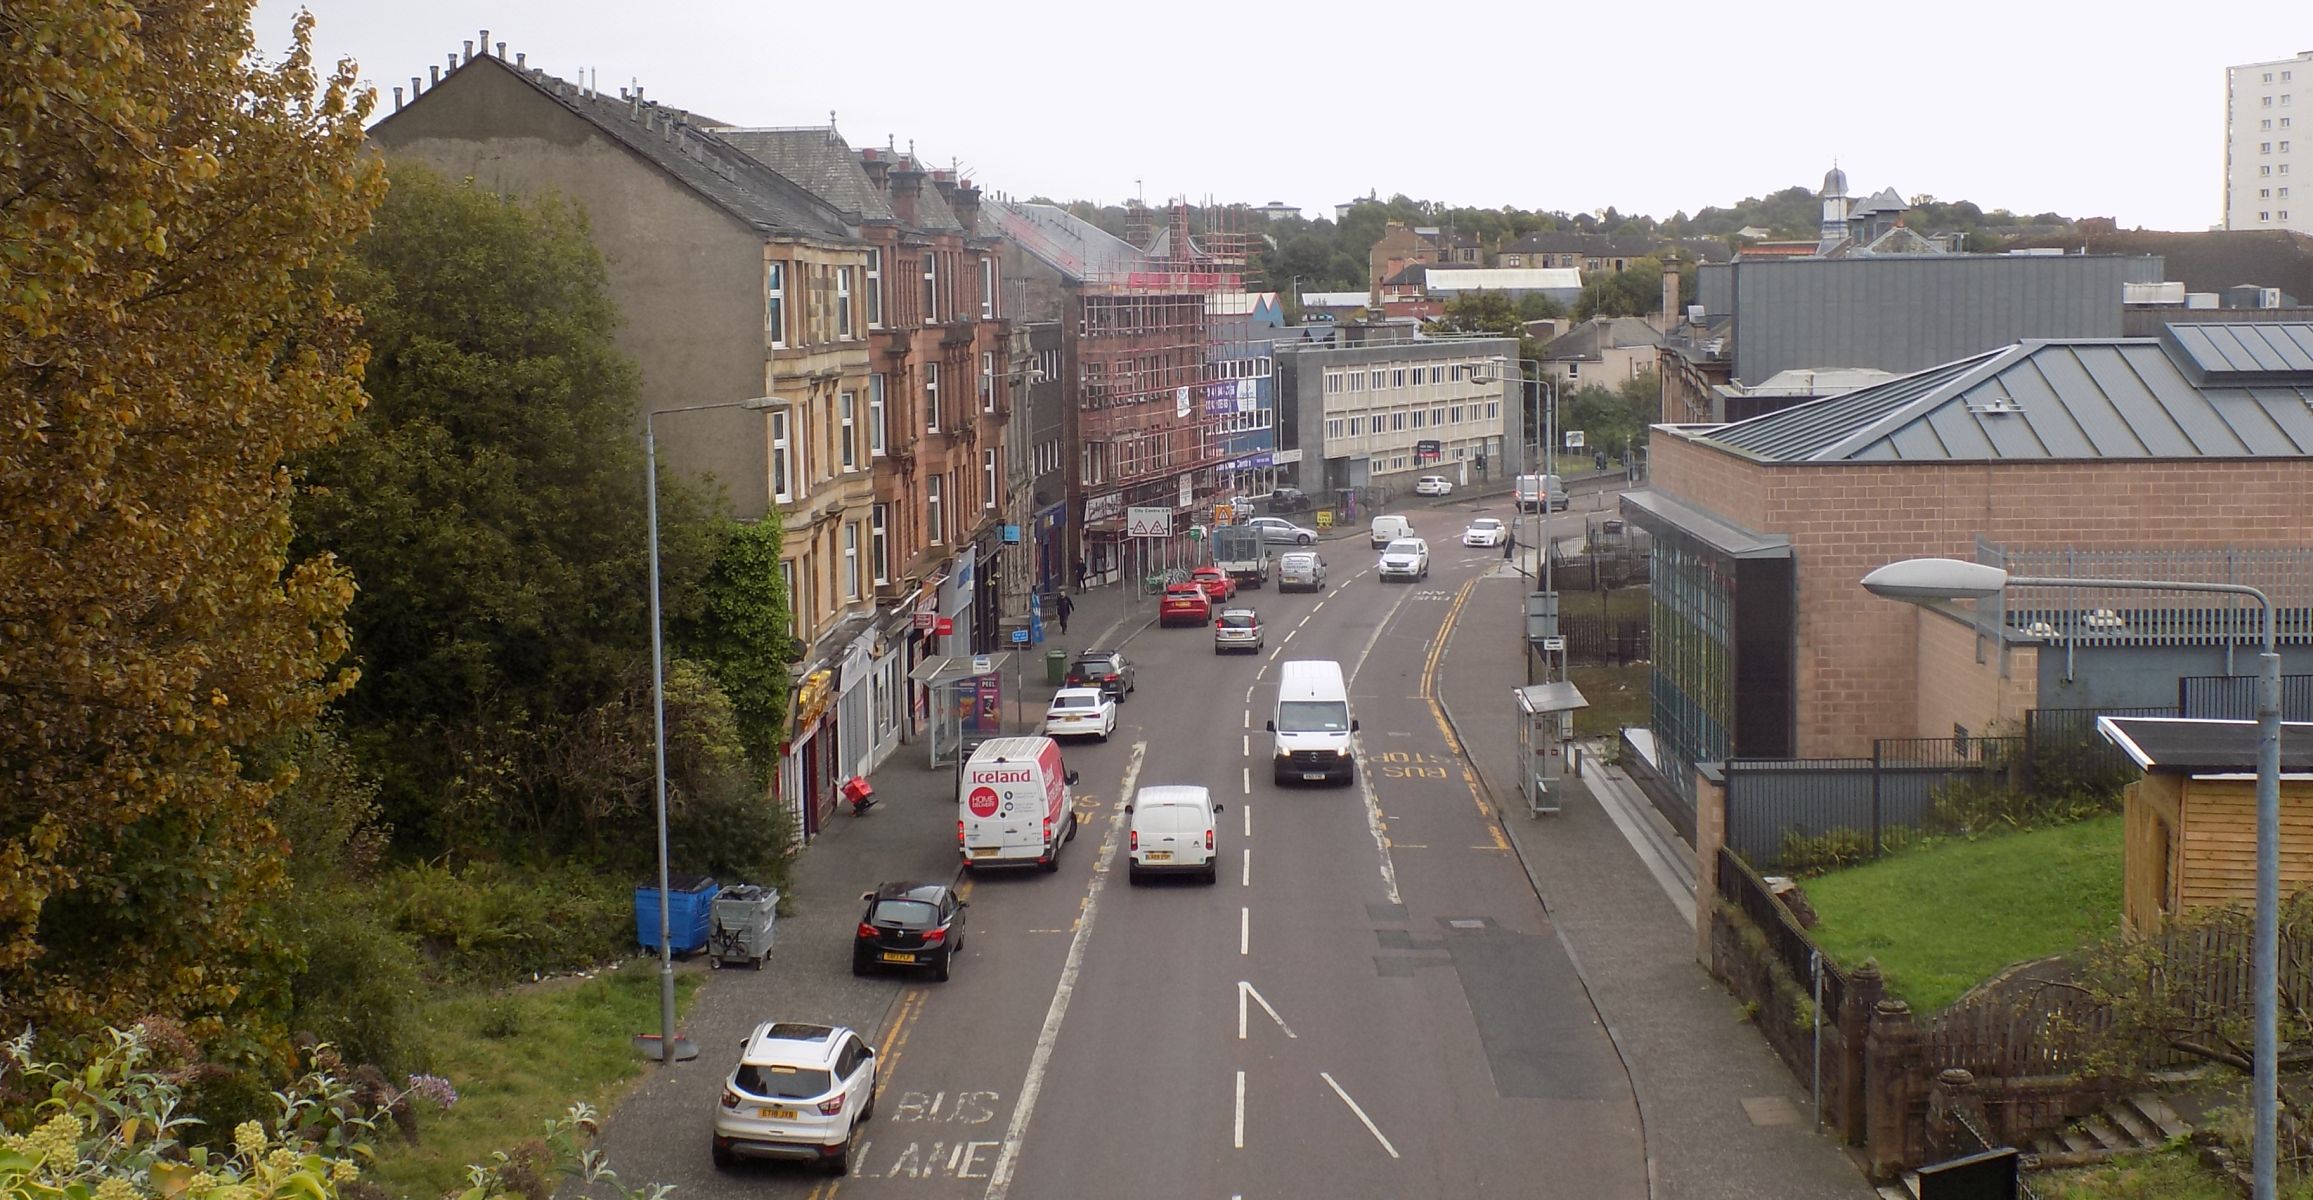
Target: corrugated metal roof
x=2103, y=398
x=1502, y=279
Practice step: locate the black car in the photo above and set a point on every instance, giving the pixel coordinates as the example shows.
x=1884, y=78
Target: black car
x=1107, y=670
x=909, y=925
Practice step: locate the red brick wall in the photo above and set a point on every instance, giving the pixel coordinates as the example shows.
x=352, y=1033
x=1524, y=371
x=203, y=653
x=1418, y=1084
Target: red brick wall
x=1858, y=655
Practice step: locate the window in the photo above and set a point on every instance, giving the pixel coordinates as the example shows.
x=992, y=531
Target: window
x=782, y=464
x=1335, y=427
x=851, y=560
x=775, y=302
x=1455, y=414
x=2285, y=76
x=931, y=288
x=875, y=289
x=987, y=381
x=2268, y=77
x=847, y=428
x=1357, y=426
x=2266, y=193
x=2267, y=123
x=2268, y=101
x=1357, y=381
x=794, y=602
x=2284, y=122
x=875, y=444
x=879, y=542
x=1332, y=382
x=987, y=479
x=843, y=302
x=932, y=397
x=2264, y=147
x=987, y=289
x=1438, y=415
x=2264, y=170
x=935, y=515
x=1494, y=409
x=2265, y=216
x=1397, y=377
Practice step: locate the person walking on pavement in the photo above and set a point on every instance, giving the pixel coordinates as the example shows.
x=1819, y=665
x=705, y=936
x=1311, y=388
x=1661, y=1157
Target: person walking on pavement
x=1062, y=608
x=1081, y=572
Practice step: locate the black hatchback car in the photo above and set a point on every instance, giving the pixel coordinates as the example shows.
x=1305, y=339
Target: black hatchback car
x=909, y=925
x=1107, y=670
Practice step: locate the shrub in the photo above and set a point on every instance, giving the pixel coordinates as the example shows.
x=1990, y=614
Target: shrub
x=493, y=924
x=358, y=981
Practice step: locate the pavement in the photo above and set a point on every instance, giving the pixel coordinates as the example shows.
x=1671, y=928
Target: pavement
x=1722, y=1117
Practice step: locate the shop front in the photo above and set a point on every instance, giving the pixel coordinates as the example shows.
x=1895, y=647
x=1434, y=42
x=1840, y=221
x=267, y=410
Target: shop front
x=807, y=768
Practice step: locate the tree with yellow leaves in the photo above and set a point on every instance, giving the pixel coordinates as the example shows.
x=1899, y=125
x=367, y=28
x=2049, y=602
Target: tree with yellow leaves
x=172, y=211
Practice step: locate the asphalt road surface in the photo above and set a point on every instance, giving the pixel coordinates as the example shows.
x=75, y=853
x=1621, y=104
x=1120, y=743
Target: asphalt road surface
x=1370, y=1003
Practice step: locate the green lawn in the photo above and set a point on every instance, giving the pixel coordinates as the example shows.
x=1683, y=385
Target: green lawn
x=2167, y=1175
x=1948, y=914
x=518, y=1059
x=1617, y=696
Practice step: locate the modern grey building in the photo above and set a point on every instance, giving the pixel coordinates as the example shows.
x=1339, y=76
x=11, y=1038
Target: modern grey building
x=2263, y=142
x=1361, y=413
x=1899, y=313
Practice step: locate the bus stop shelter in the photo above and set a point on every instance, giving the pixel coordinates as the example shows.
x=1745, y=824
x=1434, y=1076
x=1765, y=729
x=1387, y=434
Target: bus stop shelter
x=967, y=702
x=1545, y=728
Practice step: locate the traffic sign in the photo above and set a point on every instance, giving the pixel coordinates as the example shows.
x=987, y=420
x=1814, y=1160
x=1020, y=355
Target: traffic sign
x=1019, y=637
x=1574, y=439
x=981, y=665
x=1554, y=644
x=1148, y=522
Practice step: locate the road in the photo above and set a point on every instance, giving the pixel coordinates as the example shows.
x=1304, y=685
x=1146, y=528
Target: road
x=1371, y=1002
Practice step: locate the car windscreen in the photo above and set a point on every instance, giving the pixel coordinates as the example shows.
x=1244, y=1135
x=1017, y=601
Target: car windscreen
x=779, y=1082
x=1313, y=716
x=1403, y=546
x=904, y=914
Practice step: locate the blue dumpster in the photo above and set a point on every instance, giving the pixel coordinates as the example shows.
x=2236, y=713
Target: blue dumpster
x=690, y=911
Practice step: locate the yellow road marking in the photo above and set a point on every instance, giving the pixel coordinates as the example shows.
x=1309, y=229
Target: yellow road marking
x=1438, y=714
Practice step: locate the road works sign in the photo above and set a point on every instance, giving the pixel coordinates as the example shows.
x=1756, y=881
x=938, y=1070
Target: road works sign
x=1148, y=522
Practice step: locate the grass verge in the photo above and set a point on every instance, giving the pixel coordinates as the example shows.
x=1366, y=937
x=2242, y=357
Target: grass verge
x=2167, y=1175
x=518, y=1058
x=1945, y=915
x=1617, y=696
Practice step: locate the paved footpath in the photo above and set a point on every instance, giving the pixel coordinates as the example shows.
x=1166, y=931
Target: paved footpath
x=1723, y=1117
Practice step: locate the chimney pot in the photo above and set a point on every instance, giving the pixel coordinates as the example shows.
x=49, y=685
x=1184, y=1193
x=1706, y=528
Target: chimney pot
x=397, y=99
x=413, y=87
x=453, y=60
x=521, y=58
x=485, y=43
x=501, y=52
x=436, y=73
x=469, y=51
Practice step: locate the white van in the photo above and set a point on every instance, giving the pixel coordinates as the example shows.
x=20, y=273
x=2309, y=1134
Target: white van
x=1013, y=804
x=1313, y=725
x=1173, y=831
x=1388, y=528
x=1531, y=489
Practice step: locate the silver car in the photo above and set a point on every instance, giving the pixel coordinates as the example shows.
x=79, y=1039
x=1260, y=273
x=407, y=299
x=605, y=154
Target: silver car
x=1237, y=629
x=1278, y=530
x=1301, y=571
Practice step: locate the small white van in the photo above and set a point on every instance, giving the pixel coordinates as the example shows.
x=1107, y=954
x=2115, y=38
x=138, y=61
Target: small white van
x=1532, y=488
x=1313, y=725
x=1174, y=830
x=1013, y=804
x=1388, y=528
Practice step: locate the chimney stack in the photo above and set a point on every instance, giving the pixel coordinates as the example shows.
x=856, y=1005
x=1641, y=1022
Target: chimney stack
x=485, y=43
x=878, y=170
x=907, y=184
x=521, y=58
x=1670, y=296
x=469, y=55
x=501, y=52
x=413, y=87
x=435, y=73
x=397, y=99
x=966, y=200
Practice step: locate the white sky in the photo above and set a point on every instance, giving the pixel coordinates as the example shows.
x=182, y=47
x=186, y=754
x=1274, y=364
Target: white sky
x=2113, y=109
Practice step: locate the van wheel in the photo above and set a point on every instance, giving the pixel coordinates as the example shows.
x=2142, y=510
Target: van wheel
x=1132, y=875
x=1212, y=871
x=1072, y=823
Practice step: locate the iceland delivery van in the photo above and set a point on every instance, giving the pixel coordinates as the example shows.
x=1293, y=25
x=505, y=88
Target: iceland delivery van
x=1313, y=725
x=1013, y=804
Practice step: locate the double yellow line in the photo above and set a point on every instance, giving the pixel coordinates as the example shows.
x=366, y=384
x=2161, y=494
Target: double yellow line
x=1429, y=694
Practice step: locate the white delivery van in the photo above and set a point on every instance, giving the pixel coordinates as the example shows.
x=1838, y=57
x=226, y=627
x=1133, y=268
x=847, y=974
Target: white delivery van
x=1013, y=804
x=1388, y=528
x=1313, y=725
x=1173, y=831
x=1532, y=488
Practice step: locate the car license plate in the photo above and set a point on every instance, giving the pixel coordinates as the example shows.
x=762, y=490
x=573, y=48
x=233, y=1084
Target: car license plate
x=898, y=956
x=985, y=851
x=1307, y=776
x=776, y=1114
x=1158, y=856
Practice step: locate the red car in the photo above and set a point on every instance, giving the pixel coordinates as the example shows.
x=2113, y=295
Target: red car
x=1219, y=587
x=1185, y=604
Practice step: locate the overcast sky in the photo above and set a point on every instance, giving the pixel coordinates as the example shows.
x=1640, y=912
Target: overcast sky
x=1653, y=108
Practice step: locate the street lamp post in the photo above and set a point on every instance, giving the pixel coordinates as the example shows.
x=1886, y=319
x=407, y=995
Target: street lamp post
x=1548, y=465
x=659, y=711
x=1922, y=580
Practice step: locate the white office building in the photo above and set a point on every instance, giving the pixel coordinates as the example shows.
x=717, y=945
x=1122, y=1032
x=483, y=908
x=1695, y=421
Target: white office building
x=2266, y=158
x=1381, y=414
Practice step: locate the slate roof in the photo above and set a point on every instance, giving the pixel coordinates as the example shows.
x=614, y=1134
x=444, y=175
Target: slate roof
x=677, y=142
x=819, y=159
x=2199, y=746
x=1589, y=341
x=932, y=210
x=2197, y=391
x=1069, y=244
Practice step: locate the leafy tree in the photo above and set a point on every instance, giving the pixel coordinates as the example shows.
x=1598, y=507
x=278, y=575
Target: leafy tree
x=490, y=504
x=172, y=217
x=1487, y=312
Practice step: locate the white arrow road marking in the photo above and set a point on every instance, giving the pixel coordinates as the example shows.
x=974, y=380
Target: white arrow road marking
x=1369, y=1125
x=1245, y=989
x=1000, y=1179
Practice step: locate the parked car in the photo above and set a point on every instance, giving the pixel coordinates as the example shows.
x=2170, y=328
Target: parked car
x=1185, y=604
x=1486, y=531
x=1301, y=571
x=1237, y=629
x=1433, y=485
x=1219, y=588
x=1081, y=712
x=1285, y=500
x=799, y=1092
x=1406, y=558
x=1108, y=670
x=909, y=925
x=1278, y=530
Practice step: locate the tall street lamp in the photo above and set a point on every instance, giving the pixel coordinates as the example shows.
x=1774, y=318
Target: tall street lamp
x=1924, y=580
x=1548, y=464
x=659, y=709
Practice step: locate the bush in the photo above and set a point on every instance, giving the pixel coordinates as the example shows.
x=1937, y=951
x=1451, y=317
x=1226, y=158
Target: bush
x=493, y=924
x=358, y=982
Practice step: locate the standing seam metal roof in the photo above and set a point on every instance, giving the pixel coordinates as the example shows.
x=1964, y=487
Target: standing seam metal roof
x=2086, y=399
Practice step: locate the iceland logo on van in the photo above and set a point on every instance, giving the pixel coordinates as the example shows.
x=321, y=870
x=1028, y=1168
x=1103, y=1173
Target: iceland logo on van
x=1003, y=775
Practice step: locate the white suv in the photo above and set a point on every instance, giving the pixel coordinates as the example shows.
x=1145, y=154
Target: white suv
x=798, y=1093
x=1406, y=558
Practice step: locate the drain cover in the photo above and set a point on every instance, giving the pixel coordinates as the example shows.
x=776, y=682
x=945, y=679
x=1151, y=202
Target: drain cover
x=1466, y=923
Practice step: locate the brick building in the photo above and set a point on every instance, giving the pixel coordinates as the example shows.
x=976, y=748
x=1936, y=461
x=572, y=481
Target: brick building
x=2188, y=452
